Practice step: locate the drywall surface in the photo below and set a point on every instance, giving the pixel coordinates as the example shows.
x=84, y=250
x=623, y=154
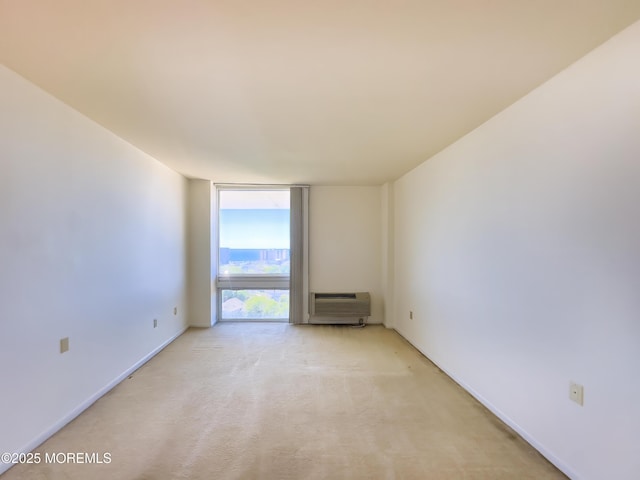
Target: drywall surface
x=518, y=250
x=387, y=238
x=92, y=248
x=201, y=276
x=345, y=248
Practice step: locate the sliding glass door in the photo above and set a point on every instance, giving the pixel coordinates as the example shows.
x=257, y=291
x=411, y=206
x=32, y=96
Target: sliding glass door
x=253, y=254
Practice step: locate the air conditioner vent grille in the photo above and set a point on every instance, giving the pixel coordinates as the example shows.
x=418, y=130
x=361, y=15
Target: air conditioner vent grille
x=339, y=307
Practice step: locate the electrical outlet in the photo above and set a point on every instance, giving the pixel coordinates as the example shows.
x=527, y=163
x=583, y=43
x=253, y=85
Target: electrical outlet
x=64, y=344
x=410, y=315
x=576, y=393
x=175, y=310
x=155, y=322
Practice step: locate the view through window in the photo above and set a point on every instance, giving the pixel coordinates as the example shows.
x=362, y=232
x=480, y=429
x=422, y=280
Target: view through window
x=253, y=256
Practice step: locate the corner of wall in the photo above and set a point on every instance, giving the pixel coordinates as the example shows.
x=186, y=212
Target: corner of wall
x=200, y=230
x=213, y=236
x=388, y=235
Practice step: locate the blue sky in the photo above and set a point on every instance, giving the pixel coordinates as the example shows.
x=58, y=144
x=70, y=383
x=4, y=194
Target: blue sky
x=259, y=228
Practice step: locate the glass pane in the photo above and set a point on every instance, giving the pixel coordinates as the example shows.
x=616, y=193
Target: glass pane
x=255, y=304
x=254, y=232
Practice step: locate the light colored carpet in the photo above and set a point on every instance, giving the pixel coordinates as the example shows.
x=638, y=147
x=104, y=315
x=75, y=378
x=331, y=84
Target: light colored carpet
x=273, y=401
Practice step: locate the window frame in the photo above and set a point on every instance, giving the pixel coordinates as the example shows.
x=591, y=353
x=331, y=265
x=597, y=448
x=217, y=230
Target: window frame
x=246, y=281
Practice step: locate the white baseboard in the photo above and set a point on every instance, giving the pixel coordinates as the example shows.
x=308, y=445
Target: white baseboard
x=545, y=452
x=40, y=439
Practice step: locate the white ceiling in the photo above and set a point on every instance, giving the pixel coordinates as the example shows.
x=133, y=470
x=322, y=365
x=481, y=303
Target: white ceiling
x=298, y=91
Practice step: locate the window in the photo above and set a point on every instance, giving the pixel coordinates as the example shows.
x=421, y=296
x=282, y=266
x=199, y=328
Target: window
x=255, y=304
x=253, y=254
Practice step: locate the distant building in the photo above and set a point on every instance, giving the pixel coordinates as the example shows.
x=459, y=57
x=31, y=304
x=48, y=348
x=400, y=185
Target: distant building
x=232, y=307
x=270, y=255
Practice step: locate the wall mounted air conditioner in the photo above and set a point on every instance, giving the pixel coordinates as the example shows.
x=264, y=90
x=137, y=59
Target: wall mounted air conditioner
x=339, y=308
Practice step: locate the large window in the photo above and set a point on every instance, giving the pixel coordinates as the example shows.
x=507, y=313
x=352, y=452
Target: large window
x=253, y=254
x=255, y=304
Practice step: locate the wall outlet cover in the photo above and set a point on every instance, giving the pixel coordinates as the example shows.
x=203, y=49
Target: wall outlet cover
x=576, y=393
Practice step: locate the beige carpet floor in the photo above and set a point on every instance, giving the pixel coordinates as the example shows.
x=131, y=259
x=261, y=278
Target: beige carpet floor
x=273, y=401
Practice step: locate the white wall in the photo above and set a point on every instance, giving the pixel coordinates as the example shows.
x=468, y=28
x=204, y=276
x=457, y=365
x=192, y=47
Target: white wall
x=518, y=249
x=387, y=212
x=201, y=254
x=345, y=249
x=92, y=247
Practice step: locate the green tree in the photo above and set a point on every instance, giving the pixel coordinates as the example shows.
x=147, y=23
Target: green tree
x=283, y=306
x=261, y=306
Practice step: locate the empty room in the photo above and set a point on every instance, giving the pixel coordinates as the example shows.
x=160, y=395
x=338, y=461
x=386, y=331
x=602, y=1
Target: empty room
x=319, y=240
